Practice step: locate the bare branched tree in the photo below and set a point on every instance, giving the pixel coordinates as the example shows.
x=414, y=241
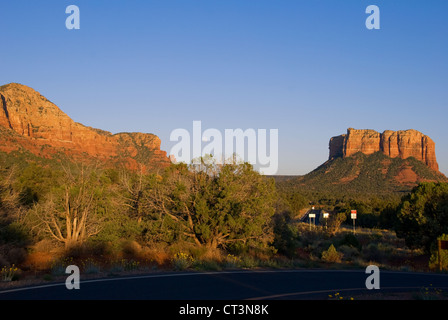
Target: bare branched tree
x=69, y=215
x=131, y=195
x=8, y=197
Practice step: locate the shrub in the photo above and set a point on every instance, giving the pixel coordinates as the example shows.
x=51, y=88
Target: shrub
x=232, y=261
x=376, y=252
x=349, y=239
x=349, y=252
x=182, y=261
x=206, y=265
x=331, y=255
x=8, y=274
x=286, y=235
x=335, y=221
x=124, y=265
x=131, y=249
x=249, y=262
x=157, y=253
x=58, y=266
x=90, y=266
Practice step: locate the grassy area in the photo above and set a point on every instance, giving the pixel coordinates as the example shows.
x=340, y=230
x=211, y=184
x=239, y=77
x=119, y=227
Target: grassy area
x=358, y=249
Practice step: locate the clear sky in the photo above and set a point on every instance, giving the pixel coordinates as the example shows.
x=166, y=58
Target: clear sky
x=310, y=69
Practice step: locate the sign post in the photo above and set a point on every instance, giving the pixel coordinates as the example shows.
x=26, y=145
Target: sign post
x=353, y=216
x=326, y=215
x=312, y=215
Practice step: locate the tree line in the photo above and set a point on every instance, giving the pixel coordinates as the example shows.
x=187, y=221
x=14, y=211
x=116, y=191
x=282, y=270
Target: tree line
x=208, y=205
x=230, y=207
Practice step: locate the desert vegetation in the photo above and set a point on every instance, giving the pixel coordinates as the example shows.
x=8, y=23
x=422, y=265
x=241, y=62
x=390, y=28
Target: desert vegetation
x=206, y=216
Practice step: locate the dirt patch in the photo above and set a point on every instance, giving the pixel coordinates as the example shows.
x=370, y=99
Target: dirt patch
x=385, y=166
x=406, y=175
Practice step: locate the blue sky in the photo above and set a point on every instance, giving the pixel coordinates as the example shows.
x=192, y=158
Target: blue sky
x=310, y=69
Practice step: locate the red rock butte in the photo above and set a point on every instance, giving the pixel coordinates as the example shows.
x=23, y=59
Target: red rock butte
x=402, y=144
x=34, y=123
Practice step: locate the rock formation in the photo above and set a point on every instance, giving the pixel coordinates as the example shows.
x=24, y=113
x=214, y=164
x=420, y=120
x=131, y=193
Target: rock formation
x=34, y=123
x=402, y=144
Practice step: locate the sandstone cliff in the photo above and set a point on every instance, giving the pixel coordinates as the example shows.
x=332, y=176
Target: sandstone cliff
x=34, y=123
x=402, y=144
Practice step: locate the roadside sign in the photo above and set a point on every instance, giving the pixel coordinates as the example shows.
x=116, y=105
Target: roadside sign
x=444, y=244
x=312, y=215
x=353, y=214
x=326, y=215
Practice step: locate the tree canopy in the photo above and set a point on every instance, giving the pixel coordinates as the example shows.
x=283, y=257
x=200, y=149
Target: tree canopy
x=423, y=215
x=216, y=206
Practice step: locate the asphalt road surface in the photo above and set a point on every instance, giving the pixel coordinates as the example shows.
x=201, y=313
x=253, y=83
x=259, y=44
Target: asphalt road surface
x=231, y=285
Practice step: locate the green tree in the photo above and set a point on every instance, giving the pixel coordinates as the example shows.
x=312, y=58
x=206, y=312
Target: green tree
x=35, y=181
x=331, y=255
x=423, y=215
x=286, y=235
x=296, y=202
x=335, y=221
x=11, y=211
x=216, y=205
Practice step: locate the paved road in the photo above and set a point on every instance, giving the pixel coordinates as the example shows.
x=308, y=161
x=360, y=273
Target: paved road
x=232, y=285
x=315, y=221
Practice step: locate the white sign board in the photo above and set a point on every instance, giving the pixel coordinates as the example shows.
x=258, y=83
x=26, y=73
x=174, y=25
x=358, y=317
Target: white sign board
x=353, y=214
x=312, y=215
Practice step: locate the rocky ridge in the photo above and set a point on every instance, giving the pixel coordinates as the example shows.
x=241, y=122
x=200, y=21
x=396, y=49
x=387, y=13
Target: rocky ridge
x=32, y=122
x=402, y=144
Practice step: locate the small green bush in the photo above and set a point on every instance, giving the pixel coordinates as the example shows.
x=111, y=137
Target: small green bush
x=331, y=255
x=377, y=252
x=8, y=273
x=350, y=253
x=350, y=239
x=90, y=266
x=206, y=265
x=182, y=261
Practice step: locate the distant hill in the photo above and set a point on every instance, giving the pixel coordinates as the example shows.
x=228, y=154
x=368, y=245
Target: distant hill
x=367, y=163
x=364, y=174
x=31, y=124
